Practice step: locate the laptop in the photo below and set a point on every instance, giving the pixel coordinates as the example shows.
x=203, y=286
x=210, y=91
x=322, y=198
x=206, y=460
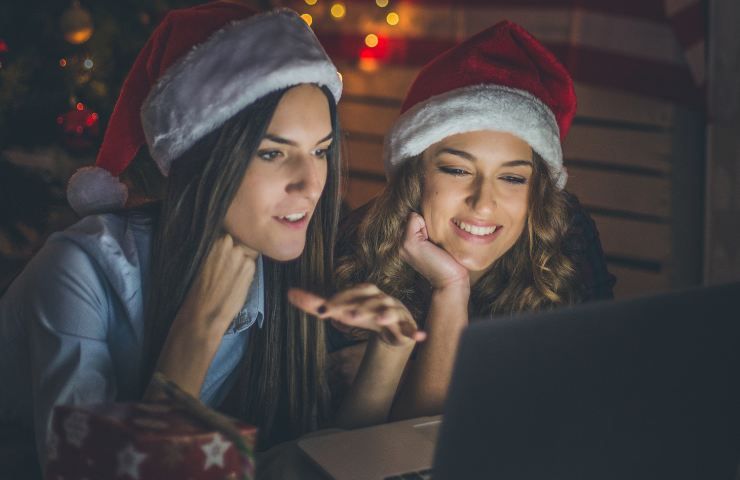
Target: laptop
x=647, y=388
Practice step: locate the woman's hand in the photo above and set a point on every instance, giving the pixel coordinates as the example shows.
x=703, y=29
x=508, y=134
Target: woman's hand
x=217, y=294
x=220, y=287
x=363, y=306
x=431, y=261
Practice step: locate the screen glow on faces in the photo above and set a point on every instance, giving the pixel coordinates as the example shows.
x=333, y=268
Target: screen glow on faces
x=282, y=185
x=475, y=196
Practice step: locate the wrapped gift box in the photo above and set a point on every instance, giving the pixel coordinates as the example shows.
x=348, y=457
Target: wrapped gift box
x=145, y=441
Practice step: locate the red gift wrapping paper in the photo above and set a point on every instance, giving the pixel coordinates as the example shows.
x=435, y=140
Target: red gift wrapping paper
x=143, y=441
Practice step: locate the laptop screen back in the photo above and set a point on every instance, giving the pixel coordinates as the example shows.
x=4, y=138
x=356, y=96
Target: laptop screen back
x=641, y=389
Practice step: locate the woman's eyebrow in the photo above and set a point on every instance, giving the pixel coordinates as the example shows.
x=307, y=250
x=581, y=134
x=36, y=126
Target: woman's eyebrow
x=518, y=163
x=285, y=141
x=457, y=153
x=466, y=156
x=327, y=137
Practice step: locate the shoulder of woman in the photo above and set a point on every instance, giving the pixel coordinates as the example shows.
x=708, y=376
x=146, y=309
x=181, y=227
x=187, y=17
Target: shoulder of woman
x=581, y=227
x=78, y=270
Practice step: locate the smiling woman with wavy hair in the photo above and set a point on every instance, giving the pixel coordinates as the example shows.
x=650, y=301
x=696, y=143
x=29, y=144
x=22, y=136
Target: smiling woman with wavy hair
x=535, y=273
x=474, y=221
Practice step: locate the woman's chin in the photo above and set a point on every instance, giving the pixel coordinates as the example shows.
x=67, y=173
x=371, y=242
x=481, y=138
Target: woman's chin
x=472, y=263
x=285, y=254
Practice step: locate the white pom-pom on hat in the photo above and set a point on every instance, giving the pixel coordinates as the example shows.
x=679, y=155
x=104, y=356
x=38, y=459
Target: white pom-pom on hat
x=95, y=190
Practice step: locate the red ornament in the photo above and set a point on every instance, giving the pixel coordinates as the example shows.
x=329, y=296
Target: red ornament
x=4, y=50
x=80, y=128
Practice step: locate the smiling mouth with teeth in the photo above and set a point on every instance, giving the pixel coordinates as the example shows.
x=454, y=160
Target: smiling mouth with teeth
x=294, y=217
x=474, y=229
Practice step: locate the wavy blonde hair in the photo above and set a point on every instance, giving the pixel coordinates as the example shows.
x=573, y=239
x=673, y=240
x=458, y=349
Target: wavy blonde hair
x=534, y=274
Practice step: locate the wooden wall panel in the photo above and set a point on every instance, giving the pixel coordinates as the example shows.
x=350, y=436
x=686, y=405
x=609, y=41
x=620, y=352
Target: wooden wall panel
x=366, y=118
x=614, y=106
x=362, y=190
x=619, y=147
x=621, y=192
x=636, y=282
x=390, y=82
x=363, y=155
x=636, y=239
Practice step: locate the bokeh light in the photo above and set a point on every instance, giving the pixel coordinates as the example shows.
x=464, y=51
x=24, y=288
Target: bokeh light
x=338, y=10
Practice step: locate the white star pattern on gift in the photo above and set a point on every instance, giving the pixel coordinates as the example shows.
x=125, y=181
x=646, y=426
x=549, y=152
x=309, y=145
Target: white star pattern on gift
x=76, y=428
x=215, y=451
x=128, y=462
x=52, y=447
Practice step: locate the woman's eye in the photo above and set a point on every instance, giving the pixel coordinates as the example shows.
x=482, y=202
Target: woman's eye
x=514, y=179
x=458, y=172
x=321, y=152
x=269, y=155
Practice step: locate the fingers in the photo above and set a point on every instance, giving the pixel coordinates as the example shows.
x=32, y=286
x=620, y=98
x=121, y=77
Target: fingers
x=373, y=310
x=340, y=305
x=346, y=303
x=416, y=227
x=306, y=301
x=364, y=307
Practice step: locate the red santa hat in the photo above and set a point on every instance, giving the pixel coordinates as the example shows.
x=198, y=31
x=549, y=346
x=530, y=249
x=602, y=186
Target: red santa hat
x=500, y=79
x=200, y=67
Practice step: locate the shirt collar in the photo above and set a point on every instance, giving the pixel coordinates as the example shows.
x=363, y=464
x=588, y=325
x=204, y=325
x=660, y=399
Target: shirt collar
x=254, y=307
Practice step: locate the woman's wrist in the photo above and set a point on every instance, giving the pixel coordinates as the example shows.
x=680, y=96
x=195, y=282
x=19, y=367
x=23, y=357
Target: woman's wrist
x=403, y=347
x=201, y=323
x=459, y=288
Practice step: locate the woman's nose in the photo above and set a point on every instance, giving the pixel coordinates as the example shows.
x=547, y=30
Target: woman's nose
x=483, y=197
x=309, y=176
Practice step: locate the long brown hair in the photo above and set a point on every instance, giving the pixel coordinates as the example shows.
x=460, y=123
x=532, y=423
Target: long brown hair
x=283, y=385
x=534, y=274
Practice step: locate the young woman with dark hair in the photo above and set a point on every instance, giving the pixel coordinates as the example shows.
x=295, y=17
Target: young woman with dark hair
x=215, y=190
x=474, y=221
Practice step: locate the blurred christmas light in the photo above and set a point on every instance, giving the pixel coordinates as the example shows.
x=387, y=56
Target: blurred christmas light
x=88, y=63
x=76, y=24
x=4, y=49
x=392, y=18
x=310, y=2
x=367, y=64
x=91, y=119
x=63, y=62
x=338, y=10
x=307, y=18
x=80, y=128
x=371, y=40
x=381, y=3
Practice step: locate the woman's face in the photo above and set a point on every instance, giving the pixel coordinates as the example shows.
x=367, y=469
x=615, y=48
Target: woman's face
x=475, y=195
x=285, y=177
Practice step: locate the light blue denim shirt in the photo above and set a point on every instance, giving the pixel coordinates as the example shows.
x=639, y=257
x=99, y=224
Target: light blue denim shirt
x=71, y=324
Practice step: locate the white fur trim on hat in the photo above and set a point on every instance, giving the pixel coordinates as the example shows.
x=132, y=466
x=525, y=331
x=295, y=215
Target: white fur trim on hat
x=474, y=108
x=237, y=65
x=95, y=190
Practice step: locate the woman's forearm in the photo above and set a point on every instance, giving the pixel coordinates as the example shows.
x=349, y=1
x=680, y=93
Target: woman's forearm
x=424, y=389
x=187, y=353
x=370, y=397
